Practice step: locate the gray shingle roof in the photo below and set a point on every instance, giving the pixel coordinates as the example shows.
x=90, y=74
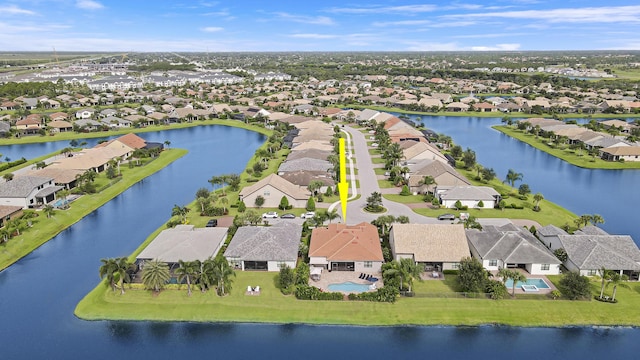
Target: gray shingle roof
x=307, y=164
x=260, y=243
x=551, y=230
x=22, y=186
x=469, y=193
x=509, y=245
x=614, y=252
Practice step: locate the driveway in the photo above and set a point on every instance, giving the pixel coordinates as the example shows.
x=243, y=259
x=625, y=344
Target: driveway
x=356, y=143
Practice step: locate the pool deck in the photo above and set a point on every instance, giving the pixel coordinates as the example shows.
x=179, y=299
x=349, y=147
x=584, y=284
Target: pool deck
x=529, y=276
x=337, y=277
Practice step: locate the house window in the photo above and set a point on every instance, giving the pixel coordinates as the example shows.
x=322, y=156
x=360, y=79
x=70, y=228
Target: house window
x=267, y=193
x=591, y=272
x=368, y=264
x=455, y=266
x=544, y=267
x=493, y=262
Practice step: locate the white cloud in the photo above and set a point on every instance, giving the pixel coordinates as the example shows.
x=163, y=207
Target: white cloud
x=405, y=9
x=486, y=36
x=315, y=20
x=572, y=15
x=89, y=5
x=313, y=36
x=211, y=29
x=14, y=10
x=497, y=47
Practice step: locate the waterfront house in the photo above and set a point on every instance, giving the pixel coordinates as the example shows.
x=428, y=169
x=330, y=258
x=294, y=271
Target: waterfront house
x=272, y=188
x=469, y=196
x=436, y=246
x=265, y=248
x=28, y=191
x=8, y=213
x=341, y=247
x=591, y=248
x=442, y=173
x=184, y=242
x=511, y=247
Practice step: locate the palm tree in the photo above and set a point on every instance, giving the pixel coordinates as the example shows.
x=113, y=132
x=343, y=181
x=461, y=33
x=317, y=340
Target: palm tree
x=617, y=279
x=596, y=219
x=392, y=273
x=222, y=275
x=180, y=211
x=537, y=198
x=604, y=276
x=122, y=266
x=428, y=181
x=4, y=235
x=224, y=201
x=215, y=180
x=411, y=271
x=512, y=177
x=167, y=143
x=108, y=271
x=48, y=210
x=332, y=215
x=155, y=275
x=188, y=270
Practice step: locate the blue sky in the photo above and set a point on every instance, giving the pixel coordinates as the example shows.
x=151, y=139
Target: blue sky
x=348, y=25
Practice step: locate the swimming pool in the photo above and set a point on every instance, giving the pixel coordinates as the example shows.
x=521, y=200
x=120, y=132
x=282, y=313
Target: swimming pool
x=349, y=287
x=539, y=283
x=61, y=203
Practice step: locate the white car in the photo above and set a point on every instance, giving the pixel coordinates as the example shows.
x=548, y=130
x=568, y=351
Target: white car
x=270, y=215
x=308, y=215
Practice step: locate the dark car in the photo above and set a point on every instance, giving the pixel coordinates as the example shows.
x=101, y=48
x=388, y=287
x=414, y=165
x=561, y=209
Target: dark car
x=287, y=216
x=447, y=217
x=212, y=223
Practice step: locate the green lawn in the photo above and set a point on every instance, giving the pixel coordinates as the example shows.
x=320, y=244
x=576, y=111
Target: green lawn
x=386, y=184
x=44, y=229
x=272, y=307
x=584, y=161
x=409, y=199
x=378, y=160
x=380, y=171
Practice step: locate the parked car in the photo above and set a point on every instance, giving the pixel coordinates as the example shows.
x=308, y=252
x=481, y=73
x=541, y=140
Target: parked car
x=446, y=217
x=270, y=215
x=287, y=216
x=308, y=215
x=212, y=223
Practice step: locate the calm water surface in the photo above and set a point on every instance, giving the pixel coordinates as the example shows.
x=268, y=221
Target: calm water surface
x=38, y=294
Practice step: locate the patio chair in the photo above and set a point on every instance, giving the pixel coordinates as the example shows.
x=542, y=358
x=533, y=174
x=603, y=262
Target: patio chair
x=249, y=289
x=257, y=289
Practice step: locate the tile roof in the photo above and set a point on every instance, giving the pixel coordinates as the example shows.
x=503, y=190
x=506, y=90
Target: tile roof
x=279, y=183
x=305, y=164
x=341, y=242
x=279, y=242
x=469, y=193
x=431, y=242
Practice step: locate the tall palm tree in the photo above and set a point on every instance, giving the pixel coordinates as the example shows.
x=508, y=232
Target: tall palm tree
x=596, y=219
x=188, y=270
x=392, y=273
x=155, y=275
x=4, y=235
x=617, y=279
x=428, y=181
x=180, y=211
x=604, y=278
x=411, y=271
x=222, y=275
x=108, y=271
x=122, y=268
x=512, y=177
x=537, y=198
x=204, y=276
x=224, y=201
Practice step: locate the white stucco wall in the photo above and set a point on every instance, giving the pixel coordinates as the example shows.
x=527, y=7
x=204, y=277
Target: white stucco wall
x=536, y=269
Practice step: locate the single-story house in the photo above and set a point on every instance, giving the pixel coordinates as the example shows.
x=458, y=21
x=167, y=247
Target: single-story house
x=28, y=191
x=58, y=126
x=304, y=164
x=8, y=212
x=436, y=246
x=469, y=196
x=184, y=242
x=511, y=247
x=442, y=173
x=341, y=247
x=265, y=248
x=272, y=189
x=591, y=248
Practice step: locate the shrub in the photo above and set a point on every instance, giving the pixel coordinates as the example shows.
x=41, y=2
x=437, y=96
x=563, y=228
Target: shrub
x=383, y=294
x=405, y=191
x=311, y=204
x=329, y=191
x=242, y=207
x=451, y=272
x=496, y=289
x=284, y=203
x=481, y=204
x=306, y=292
x=458, y=205
x=575, y=286
x=259, y=201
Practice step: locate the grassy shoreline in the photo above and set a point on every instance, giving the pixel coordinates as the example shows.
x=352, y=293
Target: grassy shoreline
x=90, y=135
x=45, y=229
x=567, y=155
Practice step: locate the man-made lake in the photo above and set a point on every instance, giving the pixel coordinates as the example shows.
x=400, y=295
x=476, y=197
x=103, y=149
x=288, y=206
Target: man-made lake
x=39, y=293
